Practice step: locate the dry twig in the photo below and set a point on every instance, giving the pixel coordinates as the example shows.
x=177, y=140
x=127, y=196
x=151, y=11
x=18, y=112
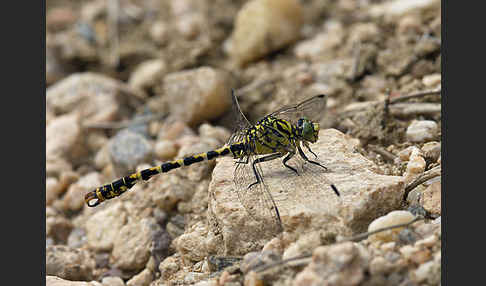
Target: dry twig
x=424, y=177
x=415, y=95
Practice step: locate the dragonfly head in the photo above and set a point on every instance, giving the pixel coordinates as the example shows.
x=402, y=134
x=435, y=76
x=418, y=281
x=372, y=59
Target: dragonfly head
x=308, y=130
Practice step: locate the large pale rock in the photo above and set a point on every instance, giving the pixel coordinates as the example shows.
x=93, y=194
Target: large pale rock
x=131, y=249
x=103, y=227
x=306, y=202
x=64, y=138
x=97, y=98
x=198, y=95
x=263, y=26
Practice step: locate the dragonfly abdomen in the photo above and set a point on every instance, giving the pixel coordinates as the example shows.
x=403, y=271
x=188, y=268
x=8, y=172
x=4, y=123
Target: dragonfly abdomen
x=120, y=186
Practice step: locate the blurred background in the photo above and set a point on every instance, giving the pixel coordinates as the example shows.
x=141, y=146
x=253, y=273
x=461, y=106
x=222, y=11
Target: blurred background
x=131, y=84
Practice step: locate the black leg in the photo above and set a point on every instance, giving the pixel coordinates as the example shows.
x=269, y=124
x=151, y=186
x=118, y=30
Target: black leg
x=290, y=155
x=308, y=148
x=260, y=160
x=307, y=159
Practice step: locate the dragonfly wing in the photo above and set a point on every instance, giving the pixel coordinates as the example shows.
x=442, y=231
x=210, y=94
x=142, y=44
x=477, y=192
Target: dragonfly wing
x=241, y=123
x=312, y=108
x=256, y=198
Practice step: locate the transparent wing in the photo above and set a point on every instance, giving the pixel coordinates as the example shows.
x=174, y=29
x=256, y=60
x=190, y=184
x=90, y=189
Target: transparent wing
x=257, y=200
x=311, y=177
x=241, y=123
x=312, y=108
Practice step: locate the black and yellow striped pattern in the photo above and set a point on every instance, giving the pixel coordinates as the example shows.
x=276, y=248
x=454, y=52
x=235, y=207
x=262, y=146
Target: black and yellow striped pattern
x=122, y=185
x=271, y=135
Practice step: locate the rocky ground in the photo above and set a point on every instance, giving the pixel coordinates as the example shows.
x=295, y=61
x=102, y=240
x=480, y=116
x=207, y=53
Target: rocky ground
x=131, y=84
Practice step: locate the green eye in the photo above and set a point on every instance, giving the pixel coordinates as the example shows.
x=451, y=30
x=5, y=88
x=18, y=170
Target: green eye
x=307, y=130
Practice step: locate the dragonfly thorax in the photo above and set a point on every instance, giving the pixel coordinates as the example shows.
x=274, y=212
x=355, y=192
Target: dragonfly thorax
x=308, y=130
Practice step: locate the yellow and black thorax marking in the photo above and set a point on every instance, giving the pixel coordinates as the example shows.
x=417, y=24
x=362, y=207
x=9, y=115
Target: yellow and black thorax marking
x=271, y=135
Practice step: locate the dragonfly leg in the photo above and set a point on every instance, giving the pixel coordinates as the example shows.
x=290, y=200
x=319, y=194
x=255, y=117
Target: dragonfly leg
x=260, y=160
x=301, y=153
x=290, y=155
x=306, y=144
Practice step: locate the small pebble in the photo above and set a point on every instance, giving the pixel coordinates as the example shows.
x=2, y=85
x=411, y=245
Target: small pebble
x=218, y=133
x=59, y=18
x=253, y=279
x=189, y=25
x=389, y=246
x=392, y=218
x=429, y=241
x=112, y=281
x=404, y=155
x=147, y=74
x=421, y=131
x=52, y=189
x=143, y=278
x=165, y=149
x=364, y=32
x=431, y=80
x=168, y=267
x=410, y=24
x=317, y=46
x=73, y=200
x=423, y=271
x=128, y=150
x=159, y=32
x=431, y=198
x=379, y=265
x=432, y=150
x=415, y=166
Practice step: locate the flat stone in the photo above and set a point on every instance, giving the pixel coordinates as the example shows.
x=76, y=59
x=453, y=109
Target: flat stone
x=306, y=203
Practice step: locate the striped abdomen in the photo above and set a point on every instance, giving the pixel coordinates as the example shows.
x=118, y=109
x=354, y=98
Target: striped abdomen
x=120, y=186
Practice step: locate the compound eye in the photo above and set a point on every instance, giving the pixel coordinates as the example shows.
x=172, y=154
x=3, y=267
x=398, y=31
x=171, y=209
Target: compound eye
x=307, y=129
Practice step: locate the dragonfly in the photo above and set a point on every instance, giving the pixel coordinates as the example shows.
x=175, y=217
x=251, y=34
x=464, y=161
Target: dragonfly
x=282, y=134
